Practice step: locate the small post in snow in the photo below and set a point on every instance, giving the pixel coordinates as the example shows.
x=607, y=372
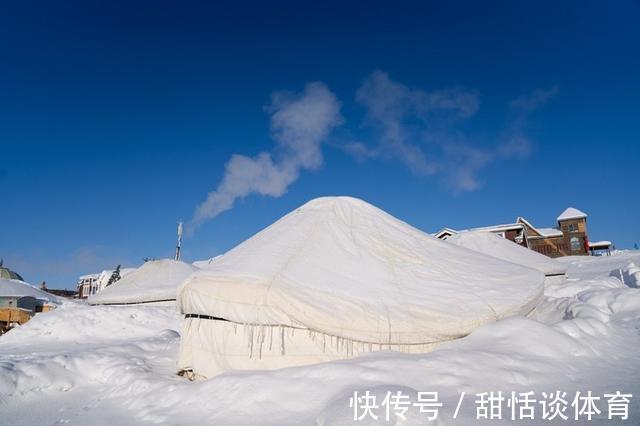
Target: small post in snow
x=179, y=244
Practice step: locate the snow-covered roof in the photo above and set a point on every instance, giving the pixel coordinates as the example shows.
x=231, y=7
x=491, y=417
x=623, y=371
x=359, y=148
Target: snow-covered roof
x=89, y=276
x=204, y=263
x=493, y=245
x=599, y=244
x=492, y=228
x=496, y=228
x=550, y=232
x=340, y=266
x=17, y=288
x=445, y=231
x=156, y=280
x=571, y=213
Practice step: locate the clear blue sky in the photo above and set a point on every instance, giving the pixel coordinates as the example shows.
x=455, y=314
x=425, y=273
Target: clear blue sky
x=117, y=119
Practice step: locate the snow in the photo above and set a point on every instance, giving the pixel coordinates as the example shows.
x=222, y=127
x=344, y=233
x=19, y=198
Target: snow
x=599, y=244
x=204, y=263
x=105, y=365
x=17, y=288
x=338, y=277
x=496, y=246
x=622, y=264
x=571, y=213
x=154, y=281
x=550, y=232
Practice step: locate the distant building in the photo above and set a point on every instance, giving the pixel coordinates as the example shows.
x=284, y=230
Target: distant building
x=569, y=238
x=8, y=274
x=87, y=285
x=91, y=284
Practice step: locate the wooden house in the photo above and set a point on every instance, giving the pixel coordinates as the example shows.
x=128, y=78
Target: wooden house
x=569, y=238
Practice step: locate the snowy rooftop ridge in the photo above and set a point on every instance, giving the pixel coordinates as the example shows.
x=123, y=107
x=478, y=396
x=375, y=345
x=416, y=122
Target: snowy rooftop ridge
x=571, y=213
x=550, y=232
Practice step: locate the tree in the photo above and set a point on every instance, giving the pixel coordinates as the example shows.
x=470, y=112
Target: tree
x=115, y=276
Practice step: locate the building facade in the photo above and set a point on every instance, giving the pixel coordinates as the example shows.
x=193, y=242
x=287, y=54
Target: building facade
x=91, y=284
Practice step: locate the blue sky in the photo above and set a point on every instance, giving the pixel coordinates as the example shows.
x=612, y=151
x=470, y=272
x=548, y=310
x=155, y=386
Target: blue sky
x=118, y=118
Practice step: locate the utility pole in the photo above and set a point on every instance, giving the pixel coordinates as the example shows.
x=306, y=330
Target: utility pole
x=179, y=244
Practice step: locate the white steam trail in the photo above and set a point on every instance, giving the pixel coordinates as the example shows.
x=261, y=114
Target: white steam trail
x=300, y=122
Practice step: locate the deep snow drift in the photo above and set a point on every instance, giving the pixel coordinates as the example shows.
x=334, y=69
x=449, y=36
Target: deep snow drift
x=104, y=365
x=338, y=277
x=156, y=280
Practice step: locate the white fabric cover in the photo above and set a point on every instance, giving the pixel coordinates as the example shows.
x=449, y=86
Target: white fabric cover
x=156, y=280
x=17, y=288
x=496, y=246
x=343, y=269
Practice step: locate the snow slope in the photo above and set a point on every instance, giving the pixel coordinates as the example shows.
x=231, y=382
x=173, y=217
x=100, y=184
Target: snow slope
x=156, y=280
x=496, y=246
x=104, y=365
x=622, y=264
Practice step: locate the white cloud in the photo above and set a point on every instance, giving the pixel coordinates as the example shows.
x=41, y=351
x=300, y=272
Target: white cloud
x=401, y=116
x=421, y=130
x=300, y=122
x=516, y=143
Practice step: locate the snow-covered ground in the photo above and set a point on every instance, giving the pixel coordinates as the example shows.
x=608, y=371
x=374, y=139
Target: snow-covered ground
x=84, y=364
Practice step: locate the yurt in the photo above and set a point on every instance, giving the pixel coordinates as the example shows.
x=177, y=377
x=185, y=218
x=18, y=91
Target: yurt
x=154, y=281
x=496, y=246
x=336, y=278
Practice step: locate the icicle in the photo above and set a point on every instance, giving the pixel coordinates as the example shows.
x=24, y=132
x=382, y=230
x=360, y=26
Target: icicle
x=261, y=335
x=270, y=337
x=281, y=340
x=251, y=327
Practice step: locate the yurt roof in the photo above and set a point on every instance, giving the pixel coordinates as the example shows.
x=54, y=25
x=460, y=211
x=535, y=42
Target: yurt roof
x=343, y=267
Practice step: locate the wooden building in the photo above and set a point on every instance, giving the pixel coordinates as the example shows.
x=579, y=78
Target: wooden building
x=569, y=238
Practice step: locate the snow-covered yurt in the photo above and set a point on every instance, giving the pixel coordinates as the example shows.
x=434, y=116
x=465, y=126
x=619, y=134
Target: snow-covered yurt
x=154, y=281
x=335, y=278
x=496, y=246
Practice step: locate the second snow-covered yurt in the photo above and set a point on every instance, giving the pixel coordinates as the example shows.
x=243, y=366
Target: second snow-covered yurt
x=335, y=278
x=496, y=246
x=154, y=281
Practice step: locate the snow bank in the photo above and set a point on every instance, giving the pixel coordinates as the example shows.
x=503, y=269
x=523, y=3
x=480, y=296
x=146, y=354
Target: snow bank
x=85, y=364
x=156, y=280
x=17, y=288
x=338, y=277
x=78, y=345
x=493, y=245
x=622, y=264
x=630, y=274
x=79, y=323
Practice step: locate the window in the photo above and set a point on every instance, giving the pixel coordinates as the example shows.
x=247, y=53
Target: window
x=573, y=227
x=575, y=244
